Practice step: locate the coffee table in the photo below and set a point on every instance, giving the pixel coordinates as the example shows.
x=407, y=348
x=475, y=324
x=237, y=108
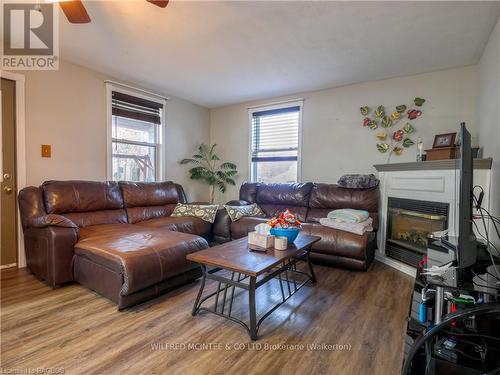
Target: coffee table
x=250, y=270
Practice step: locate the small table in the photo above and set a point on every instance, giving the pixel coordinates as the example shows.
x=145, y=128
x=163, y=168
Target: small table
x=249, y=270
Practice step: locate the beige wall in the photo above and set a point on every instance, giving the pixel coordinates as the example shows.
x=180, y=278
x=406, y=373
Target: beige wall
x=67, y=109
x=488, y=108
x=333, y=140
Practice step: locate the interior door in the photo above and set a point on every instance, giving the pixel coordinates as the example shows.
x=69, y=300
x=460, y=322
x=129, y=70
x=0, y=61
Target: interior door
x=8, y=193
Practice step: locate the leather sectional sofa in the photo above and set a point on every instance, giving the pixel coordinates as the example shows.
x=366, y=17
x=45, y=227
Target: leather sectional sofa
x=117, y=239
x=310, y=201
x=120, y=240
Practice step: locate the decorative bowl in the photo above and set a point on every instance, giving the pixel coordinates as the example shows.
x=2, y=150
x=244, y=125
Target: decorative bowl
x=290, y=233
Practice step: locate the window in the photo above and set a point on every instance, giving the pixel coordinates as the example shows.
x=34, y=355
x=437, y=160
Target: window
x=136, y=128
x=275, y=143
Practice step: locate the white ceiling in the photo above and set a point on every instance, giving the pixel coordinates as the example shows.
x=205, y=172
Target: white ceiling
x=219, y=53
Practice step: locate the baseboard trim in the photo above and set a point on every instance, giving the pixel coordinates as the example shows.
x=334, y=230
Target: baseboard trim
x=11, y=265
x=401, y=267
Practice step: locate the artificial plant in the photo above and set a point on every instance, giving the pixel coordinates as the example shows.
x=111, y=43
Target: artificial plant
x=209, y=169
x=400, y=138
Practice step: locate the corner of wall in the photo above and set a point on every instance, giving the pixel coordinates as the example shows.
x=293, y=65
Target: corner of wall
x=489, y=124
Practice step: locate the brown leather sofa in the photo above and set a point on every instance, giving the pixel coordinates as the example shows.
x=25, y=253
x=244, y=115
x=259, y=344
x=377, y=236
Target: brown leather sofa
x=116, y=238
x=310, y=201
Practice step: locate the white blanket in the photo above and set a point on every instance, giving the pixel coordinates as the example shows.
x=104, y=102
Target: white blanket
x=357, y=228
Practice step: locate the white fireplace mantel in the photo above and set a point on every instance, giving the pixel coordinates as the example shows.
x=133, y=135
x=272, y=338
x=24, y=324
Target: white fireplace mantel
x=435, y=181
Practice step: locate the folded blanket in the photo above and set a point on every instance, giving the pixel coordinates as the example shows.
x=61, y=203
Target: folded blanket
x=349, y=215
x=357, y=228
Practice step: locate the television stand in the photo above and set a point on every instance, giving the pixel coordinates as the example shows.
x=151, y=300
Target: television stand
x=436, y=299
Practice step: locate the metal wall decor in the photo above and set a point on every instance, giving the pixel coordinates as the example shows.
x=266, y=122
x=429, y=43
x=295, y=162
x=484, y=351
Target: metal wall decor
x=395, y=130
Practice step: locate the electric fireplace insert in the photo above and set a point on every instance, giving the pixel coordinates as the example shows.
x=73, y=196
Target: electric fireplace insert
x=409, y=223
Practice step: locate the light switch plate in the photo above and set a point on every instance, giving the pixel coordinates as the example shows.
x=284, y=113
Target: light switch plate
x=46, y=151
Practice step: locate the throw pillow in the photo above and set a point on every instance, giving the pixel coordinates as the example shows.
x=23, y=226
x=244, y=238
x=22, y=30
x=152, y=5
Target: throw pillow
x=358, y=181
x=205, y=212
x=237, y=212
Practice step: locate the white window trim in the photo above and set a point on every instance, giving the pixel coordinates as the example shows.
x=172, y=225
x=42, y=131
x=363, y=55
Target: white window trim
x=160, y=147
x=285, y=104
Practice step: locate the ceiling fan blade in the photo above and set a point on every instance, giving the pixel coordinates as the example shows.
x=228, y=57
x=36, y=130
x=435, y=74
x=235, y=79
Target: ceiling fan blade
x=75, y=11
x=160, y=3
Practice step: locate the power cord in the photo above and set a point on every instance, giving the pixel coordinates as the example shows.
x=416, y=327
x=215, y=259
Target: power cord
x=489, y=244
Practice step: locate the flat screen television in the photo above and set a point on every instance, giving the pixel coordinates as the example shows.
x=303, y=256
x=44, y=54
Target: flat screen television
x=466, y=246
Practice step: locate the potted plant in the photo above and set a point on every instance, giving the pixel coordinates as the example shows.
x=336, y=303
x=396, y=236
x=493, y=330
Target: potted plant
x=209, y=168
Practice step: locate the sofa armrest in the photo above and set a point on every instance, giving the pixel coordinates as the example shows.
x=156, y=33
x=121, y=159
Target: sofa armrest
x=222, y=226
x=50, y=220
x=49, y=252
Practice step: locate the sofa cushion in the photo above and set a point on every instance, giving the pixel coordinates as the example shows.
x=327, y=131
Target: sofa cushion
x=191, y=225
x=85, y=219
x=334, y=197
x=137, y=214
x=137, y=194
x=284, y=194
x=242, y=227
x=85, y=202
x=276, y=198
x=93, y=230
x=81, y=196
x=337, y=242
x=143, y=256
x=329, y=197
x=148, y=200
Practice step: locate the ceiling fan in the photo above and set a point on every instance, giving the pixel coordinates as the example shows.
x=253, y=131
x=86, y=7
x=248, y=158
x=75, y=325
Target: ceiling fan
x=76, y=13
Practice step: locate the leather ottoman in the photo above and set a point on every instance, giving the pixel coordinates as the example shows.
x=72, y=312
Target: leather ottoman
x=130, y=264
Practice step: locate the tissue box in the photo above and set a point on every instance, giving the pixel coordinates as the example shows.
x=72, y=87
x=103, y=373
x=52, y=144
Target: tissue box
x=262, y=241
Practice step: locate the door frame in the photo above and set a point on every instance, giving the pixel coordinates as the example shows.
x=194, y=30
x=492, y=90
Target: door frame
x=20, y=153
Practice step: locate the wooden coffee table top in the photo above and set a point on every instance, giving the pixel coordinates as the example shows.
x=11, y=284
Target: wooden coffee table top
x=236, y=256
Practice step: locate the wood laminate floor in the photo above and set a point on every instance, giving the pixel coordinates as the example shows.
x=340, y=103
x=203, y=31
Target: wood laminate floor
x=72, y=328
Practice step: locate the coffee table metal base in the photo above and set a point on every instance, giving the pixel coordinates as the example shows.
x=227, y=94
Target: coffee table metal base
x=224, y=296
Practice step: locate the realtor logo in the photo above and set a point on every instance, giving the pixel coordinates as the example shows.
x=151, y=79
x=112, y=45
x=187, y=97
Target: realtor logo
x=29, y=36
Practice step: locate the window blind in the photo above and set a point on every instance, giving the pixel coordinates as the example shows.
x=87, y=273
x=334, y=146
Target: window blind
x=275, y=135
x=135, y=108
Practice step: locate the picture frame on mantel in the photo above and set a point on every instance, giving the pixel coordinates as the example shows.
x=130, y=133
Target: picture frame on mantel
x=444, y=140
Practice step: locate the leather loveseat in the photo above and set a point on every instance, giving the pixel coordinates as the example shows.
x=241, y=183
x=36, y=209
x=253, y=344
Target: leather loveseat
x=116, y=238
x=310, y=201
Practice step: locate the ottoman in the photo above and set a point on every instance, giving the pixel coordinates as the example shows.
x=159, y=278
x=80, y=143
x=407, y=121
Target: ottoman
x=129, y=264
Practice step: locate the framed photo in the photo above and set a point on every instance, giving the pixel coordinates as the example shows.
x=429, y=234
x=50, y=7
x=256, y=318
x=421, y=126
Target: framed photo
x=444, y=140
